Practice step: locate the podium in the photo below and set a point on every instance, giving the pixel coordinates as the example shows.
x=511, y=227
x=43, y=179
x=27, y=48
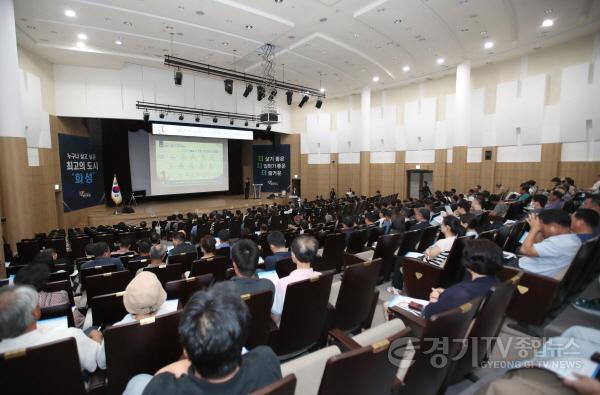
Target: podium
x=257, y=188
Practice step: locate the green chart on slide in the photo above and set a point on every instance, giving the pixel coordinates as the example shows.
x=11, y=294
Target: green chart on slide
x=179, y=162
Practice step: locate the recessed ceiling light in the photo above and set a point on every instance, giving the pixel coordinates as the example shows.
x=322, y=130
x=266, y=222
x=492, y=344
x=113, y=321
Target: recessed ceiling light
x=225, y=43
x=547, y=22
x=548, y=11
x=441, y=61
x=181, y=8
x=463, y=2
x=322, y=90
x=82, y=36
x=488, y=45
x=80, y=44
x=406, y=68
x=464, y=29
x=356, y=35
x=376, y=78
x=249, y=27
x=127, y=23
x=483, y=33
x=70, y=13
x=323, y=20
x=396, y=21
x=199, y=13
x=291, y=37
x=118, y=42
x=381, y=9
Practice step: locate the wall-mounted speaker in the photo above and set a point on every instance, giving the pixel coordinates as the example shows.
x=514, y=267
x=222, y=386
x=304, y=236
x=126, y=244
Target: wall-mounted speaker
x=488, y=155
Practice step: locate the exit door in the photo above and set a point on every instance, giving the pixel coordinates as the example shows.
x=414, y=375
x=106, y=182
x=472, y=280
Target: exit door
x=419, y=183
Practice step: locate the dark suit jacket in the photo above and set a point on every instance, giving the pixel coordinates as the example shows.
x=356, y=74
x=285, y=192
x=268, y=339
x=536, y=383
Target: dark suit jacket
x=104, y=261
x=272, y=260
x=184, y=247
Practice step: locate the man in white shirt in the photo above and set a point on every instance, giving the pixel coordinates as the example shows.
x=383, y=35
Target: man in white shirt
x=596, y=187
x=550, y=246
x=19, y=314
x=304, y=251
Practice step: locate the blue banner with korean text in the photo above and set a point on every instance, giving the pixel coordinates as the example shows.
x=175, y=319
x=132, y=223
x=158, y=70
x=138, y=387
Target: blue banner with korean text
x=272, y=167
x=81, y=172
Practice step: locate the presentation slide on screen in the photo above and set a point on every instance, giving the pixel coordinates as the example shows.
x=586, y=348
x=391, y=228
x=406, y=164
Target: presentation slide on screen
x=187, y=165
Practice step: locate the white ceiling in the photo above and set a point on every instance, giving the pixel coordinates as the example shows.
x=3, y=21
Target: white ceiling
x=346, y=41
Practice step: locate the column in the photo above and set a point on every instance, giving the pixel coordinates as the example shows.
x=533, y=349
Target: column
x=14, y=190
x=463, y=127
x=365, y=157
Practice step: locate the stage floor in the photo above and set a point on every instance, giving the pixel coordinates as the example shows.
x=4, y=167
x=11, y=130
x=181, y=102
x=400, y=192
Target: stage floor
x=160, y=210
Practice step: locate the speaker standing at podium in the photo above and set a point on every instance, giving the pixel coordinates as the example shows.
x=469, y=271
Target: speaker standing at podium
x=247, y=188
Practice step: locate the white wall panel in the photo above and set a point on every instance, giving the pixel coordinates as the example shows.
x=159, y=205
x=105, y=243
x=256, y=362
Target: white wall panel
x=103, y=93
x=580, y=151
x=319, y=159
x=441, y=135
x=523, y=153
x=579, y=102
x=419, y=123
x=69, y=91
x=400, y=132
x=348, y=158
x=506, y=113
x=551, y=124
x=475, y=139
x=423, y=156
x=449, y=155
x=35, y=120
x=383, y=157
x=383, y=128
x=488, y=131
x=474, y=155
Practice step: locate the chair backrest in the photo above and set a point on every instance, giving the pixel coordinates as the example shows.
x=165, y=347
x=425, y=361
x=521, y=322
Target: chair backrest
x=108, y=238
x=355, y=298
x=284, y=267
x=51, y=368
x=487, y=325
x=94, y=270
x=59, y=310
x=58, y=276
x=27, y=249
x=587, y=257
x=78, y=245
x=489, y=235
x=216, y=265
x=59, y=245
x=140, y=347
x=185, y=288
x=366, y=370
x=185, y=258
x=356, y=242
x=259, y=305
x=225, y=252
x=107, y=309
x=166, y=273
x=284, y=386
x=333, y=251
x=106, y=283
x=441, y=330
x=64, y=285
x=385, y=249
x=304, y=315
x=410, y=241
x=374, y=233
x=514, y=236
x=454, y=271
x=135, y=264
x=428, y=238
x=502, y=234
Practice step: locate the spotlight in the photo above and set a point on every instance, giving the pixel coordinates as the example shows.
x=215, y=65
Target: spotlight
x=319, y=103
x=161, y=115
x=231, y=122
x=258, y=125
x=303, y=101
x=197, y=118
x=146, y=116
x=269, y=128
x=289, y=95
x=181, y=117
x=228, y=86
x=178, y=77
x=248, y=90
x=215, y=120
x=246, y=123
x=273, y=94
x=260, y=93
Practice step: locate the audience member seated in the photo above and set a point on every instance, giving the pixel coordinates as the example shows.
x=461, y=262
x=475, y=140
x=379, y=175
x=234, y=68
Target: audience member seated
x=470, y=223
x=422, y=217
x=304, y=251
x=462, y=208
x=347, y=227
x=180, y=245
x=102, y=257
x=124, y=245
x=550, y=246
x=385, y=221
x=476, y=207
x=157, y=256
x=523, y=193
x=244, y=255
x=154, y=238
x=483, y=260
x=144, y=248
x=555, y=201
x=144, y=298
x=500, y=207
x=583, y=223
x=212, y=330
x=19, y=315
x=223, y=237
x=451, y=228
x=44, y=258
x=276, y=241
x=36, y=276
x=538, y=203
x=592, y=201
x=208, y=245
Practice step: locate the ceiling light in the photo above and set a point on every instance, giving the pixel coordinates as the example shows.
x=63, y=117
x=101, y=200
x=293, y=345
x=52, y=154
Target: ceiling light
x=396, y=21
x=248, y=90
x=70, y=13
x=406, y=68
x=82, y=36
x=381, y=9
x=181, y=117
x=231, y=122
x=303, y=101
x=258, y=125
x=119, y=42
x=80, y=44
x=441, y=61
x=260, y=93
x=289, y=95
x=215, y=120
x=197, y=118
x=246, y=123
x=319, y=103
x=548, y=11
x=249, y=27
x=146, y=116
x=200, y=13
x=547, y=22
x=161, y=115
x=272, y=94
x=228, y=86
x=178, y=77
x=323, y=20
x=356, y=35
x=322, y=90
x=376, y=78
x=224, y=43
x=488, y=45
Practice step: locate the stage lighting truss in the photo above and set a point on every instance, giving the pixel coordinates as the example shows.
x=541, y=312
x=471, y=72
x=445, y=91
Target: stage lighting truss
x=196, y=112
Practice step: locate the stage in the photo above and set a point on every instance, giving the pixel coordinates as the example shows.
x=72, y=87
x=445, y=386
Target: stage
x=150, y=211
